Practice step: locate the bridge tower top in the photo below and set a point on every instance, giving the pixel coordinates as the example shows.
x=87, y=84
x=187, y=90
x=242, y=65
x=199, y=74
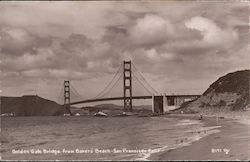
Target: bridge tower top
x=127, y=86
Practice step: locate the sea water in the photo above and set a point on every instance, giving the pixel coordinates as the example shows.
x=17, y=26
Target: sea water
x=96, y=138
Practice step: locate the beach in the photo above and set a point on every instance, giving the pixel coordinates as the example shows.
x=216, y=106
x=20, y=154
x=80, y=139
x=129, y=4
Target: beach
x=231, y=143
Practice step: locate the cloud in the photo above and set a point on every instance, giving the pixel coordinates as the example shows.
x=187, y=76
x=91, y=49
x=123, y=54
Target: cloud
x=155, y=56
x=61, y=19
x=151, y=29
x=64, y=56
x=54, y=73
x=28, y=61
x=15, y=41
x=212, y=34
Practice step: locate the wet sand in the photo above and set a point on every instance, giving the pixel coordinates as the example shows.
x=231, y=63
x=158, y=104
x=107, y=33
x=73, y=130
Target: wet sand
x=231, y=143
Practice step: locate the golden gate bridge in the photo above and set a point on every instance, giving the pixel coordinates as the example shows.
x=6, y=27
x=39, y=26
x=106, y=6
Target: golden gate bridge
x=127, y=72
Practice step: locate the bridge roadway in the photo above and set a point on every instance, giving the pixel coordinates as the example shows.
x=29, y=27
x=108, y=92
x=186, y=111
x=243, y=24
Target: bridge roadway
x=133, y=97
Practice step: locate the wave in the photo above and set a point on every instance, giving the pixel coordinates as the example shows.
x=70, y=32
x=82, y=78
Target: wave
x=187, y=122
x=181, y=143
x=244, y=121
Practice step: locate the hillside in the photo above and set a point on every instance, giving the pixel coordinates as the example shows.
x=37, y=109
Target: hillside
x=30, y=106
x=113, y=106
x=228, y=93
x=111, y=109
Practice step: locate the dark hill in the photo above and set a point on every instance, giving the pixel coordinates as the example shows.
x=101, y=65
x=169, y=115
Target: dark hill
x=229, y=92
x=236, y=82
x=30, y=106
x=108, y=106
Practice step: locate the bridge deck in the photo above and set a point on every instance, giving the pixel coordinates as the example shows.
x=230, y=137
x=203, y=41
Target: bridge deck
x=121, y=98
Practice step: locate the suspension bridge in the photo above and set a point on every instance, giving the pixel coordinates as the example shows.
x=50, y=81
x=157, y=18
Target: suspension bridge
x=127, y=74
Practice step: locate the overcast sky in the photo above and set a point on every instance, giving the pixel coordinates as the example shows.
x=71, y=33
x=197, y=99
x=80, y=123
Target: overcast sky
x=180, y=47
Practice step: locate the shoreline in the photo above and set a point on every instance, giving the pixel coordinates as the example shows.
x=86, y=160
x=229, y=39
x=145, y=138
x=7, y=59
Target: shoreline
x=231, y=143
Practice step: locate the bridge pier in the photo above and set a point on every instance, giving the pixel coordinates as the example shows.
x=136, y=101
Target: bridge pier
x=162, y=104
x=153, y=108
x=165, y=103
x=158, y=104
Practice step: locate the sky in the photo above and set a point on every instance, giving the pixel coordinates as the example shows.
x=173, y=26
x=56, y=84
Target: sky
x=179, y=47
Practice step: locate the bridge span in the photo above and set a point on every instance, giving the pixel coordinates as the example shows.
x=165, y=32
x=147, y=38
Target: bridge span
x=174, y=97
x=160, y=103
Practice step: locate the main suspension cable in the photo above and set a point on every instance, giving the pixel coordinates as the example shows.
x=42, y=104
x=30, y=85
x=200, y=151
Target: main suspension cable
x=117, y=72
x=144, y=79
x=134, y=76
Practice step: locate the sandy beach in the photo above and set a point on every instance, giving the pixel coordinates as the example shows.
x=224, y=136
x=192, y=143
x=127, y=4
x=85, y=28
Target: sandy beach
x=231, y=143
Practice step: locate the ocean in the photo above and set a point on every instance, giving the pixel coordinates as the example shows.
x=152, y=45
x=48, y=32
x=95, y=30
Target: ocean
x=96, y=138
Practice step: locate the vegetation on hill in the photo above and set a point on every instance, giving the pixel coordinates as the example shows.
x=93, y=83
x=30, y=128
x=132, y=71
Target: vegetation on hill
x=236, y=82
x=230, y=92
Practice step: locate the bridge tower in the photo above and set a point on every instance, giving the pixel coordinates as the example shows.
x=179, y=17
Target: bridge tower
x=127, y=85
x=67, y=96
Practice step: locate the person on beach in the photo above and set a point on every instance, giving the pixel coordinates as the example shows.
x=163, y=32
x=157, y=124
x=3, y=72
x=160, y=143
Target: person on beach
x=201, y=117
